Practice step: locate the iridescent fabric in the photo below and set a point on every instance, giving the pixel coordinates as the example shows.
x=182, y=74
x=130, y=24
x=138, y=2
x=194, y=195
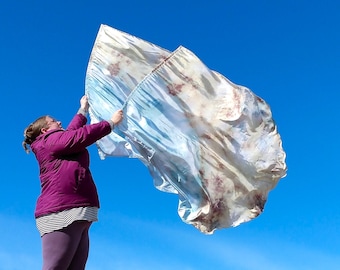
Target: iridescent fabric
x=202, y=137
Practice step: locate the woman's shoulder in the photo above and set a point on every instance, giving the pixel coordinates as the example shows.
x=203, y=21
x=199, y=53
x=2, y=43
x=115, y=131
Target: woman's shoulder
x=43, y=138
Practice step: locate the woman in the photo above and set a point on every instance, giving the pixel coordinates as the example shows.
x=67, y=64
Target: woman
x=68, y=202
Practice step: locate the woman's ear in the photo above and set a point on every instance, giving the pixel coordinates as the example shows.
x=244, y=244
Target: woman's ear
x=43, y=130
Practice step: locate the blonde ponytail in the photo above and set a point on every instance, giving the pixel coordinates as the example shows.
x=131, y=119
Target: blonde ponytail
x=33, y=131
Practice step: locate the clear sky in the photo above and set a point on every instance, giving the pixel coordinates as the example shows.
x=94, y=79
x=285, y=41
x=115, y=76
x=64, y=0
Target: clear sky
x=287, y=52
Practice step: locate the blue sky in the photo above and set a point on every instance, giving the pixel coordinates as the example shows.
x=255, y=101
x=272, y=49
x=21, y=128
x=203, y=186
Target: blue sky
x=286, y=52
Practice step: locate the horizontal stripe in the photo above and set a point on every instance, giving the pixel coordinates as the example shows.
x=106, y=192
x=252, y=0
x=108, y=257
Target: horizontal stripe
x=57, y=221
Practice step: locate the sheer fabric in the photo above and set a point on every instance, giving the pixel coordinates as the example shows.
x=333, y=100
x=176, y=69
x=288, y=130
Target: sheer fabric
x=212, y=142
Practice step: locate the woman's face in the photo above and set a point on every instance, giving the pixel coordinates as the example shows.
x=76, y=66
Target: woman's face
x=52, y=124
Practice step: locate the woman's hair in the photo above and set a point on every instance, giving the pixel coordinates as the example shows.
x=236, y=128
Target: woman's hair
x=33, y=131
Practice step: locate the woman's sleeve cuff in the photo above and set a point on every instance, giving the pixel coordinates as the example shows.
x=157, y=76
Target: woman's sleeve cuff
x=111, y=124
x=82, y=111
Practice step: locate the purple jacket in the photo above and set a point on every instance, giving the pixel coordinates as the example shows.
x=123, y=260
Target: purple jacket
x=66, y=181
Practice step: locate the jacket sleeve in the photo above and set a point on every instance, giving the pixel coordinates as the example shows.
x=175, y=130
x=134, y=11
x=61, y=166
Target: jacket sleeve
x=76, y=140
x=78, y=121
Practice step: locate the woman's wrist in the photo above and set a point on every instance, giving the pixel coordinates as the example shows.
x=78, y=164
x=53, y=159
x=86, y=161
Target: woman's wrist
x=111, y=124
x=83, y=111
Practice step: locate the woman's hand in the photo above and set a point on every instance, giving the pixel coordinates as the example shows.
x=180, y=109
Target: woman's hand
x=84, y=103
x=117, y=117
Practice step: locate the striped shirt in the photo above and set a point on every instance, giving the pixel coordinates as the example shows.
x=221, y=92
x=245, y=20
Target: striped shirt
x=57, y=221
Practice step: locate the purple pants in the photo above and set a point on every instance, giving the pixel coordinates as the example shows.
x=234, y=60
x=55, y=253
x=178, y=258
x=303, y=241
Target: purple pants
x=68, y=248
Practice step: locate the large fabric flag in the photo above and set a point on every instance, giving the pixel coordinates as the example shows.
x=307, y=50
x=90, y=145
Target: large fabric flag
x=202, y=137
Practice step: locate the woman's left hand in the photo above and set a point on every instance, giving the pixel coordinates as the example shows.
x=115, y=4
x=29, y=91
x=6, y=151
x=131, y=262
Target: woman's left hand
x=84, y=104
